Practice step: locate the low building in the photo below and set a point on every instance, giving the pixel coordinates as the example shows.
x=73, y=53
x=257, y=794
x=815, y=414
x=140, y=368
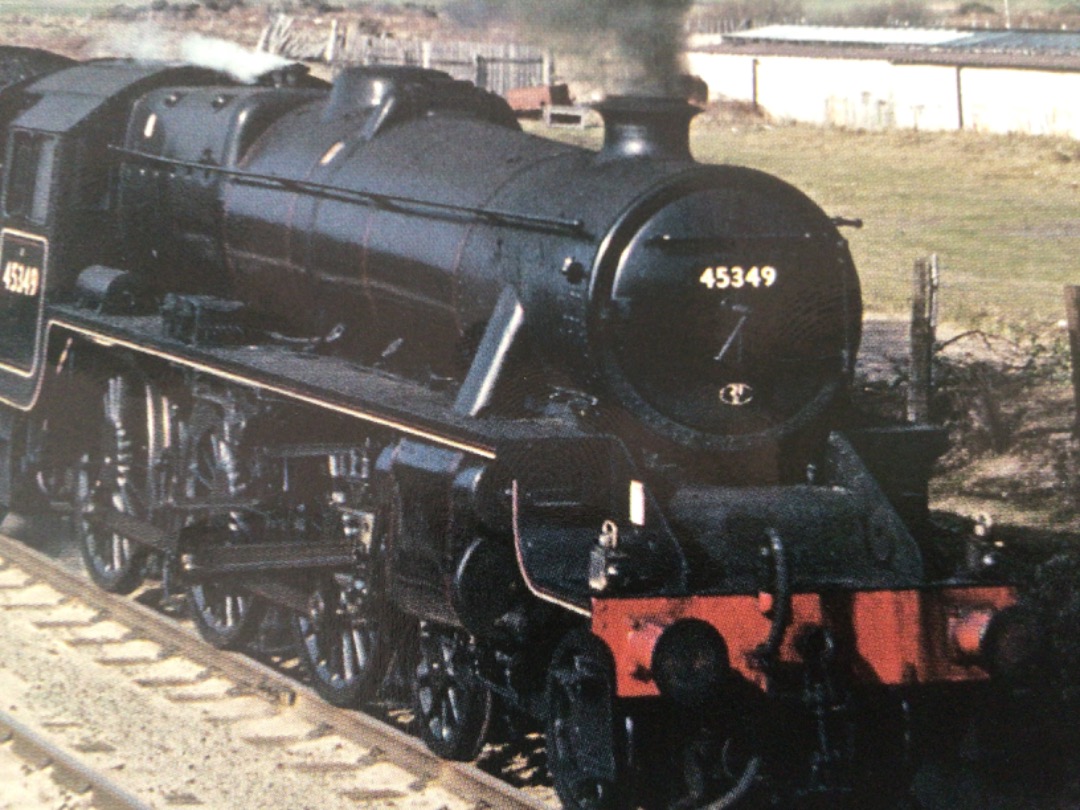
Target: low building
x=873, y=78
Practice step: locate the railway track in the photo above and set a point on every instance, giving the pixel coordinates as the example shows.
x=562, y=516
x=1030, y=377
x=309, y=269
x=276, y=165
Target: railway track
x=71, y=776
x=170, y=721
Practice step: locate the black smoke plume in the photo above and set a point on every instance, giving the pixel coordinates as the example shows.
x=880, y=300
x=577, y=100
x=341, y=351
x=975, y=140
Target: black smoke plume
x=629, y=44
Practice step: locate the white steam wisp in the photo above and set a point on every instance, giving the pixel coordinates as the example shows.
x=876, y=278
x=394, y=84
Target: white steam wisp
x=219, y=54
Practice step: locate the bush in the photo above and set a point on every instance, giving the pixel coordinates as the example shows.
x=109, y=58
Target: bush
x=892, y=13
x=985, y=386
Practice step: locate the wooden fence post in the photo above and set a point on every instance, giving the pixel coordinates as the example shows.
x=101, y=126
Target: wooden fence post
x=481, y=79
x=1072, y=312
x=923, y=324
x=331, y=54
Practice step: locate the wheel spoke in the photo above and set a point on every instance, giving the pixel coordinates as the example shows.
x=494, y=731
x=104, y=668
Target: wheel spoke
x=347, y=656
x=231, y=610
x=310, y=641
x=118, y=555
x=426, y=699
x=360, y=647
x=445, y=724
x=453, y=704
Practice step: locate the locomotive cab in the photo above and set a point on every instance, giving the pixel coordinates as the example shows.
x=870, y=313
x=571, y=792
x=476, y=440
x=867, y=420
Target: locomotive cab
x=57, y=198
x=18, y=68
x=24, y=247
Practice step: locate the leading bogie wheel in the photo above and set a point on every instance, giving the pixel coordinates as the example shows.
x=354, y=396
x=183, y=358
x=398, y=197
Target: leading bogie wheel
x=113, y=477
x=453, y=708
x=587, y=738
x=217, y=467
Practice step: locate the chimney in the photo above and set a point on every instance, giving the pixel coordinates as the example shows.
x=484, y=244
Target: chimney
x=646, y=126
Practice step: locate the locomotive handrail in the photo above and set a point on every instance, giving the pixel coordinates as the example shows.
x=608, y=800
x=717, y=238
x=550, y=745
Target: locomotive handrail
x=411, y=205
x=697, y=245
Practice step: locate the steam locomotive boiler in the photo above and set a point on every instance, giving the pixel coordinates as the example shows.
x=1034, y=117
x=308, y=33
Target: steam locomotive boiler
x=540, y=431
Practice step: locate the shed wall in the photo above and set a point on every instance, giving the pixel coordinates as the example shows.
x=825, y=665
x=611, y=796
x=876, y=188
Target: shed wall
x=1035, y=102
x=879, y=94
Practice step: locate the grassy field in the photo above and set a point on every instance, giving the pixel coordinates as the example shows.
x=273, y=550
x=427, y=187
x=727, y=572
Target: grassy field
x=1002, y=212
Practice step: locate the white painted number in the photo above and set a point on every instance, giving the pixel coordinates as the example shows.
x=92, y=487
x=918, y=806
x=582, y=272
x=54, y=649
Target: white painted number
x=21, y=279
x=722, y=278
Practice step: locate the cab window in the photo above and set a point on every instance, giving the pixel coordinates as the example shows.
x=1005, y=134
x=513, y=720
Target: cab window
x=29, y=173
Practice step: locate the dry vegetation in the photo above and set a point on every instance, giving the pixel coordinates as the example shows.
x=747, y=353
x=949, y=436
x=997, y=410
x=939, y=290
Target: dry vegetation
x=153, y=29
x=127, y=32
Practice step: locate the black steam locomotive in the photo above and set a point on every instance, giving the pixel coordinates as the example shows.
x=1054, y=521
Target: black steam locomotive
x=551, y=434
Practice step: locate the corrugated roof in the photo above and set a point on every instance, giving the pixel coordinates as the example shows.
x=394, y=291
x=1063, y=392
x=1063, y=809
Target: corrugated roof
x=953, y=57
x=946, y=39
x=1023, y=41
x=853, y=35
x=1044, y=50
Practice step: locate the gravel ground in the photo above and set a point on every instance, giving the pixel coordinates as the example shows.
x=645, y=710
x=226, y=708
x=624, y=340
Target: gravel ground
x=180, y=739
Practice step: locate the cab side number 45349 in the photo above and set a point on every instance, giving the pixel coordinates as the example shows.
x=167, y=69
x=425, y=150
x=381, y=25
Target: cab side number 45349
x=723, y=278
x=21, y=279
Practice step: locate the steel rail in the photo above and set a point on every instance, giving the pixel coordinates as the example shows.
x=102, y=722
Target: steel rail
x=67, y=771
x=462, y=779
